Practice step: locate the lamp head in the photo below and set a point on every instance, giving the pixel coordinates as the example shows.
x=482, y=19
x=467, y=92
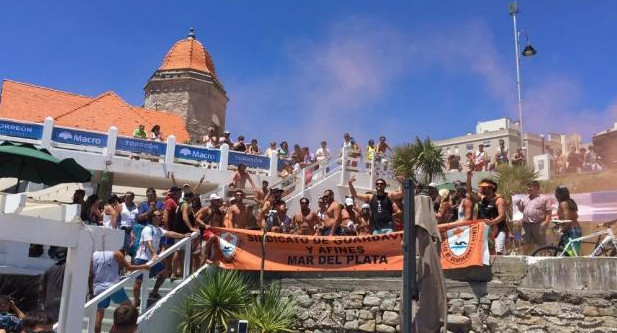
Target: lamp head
x=529, y=51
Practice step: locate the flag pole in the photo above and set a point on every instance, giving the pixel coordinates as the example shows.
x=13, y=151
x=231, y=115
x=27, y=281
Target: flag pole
x=409, y=256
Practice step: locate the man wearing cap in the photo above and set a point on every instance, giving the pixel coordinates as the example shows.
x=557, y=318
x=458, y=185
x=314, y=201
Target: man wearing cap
x=350, y=217
x=491, y=209
x=536, y=209
x=305, y=219
x=225, y=139
x=364, y=226
x=381, y=204
x=210, y=216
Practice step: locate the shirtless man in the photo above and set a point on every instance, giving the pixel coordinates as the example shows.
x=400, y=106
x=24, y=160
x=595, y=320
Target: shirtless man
x=305, y=220
x=240, y=177
x=261, y=194
x=210, y=216
x=210, y=140
x=238, y=216
x=382, y=147
x=364, y=225
x=332, y=218
x=350, y=217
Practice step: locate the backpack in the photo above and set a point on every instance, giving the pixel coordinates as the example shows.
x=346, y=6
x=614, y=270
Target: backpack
x=136, y=231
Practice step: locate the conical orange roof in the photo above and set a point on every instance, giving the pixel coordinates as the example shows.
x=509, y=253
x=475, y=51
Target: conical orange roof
x=188, y=53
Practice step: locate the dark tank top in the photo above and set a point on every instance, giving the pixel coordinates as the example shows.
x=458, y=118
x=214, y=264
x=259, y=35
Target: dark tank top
x=487, y=209
x=381, y=212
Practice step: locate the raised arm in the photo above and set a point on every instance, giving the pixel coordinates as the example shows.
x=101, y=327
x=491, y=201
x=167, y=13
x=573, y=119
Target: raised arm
x=472, y=195
x=201, y=181
x=354, y=194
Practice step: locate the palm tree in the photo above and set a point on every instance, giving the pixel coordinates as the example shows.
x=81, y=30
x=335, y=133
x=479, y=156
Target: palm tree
x=513, y=180
x=419, y=157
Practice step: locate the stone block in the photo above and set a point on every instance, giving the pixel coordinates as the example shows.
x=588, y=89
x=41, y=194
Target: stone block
x=390, y=318
x=473, y=301
x=458, y=323
x=387, y=304
x=366, y=315
x=372, y=301
x=352, y=304
x=351, y=325
x=369, y=326
x=500, y=309
x=309, y=323
x=385, y=329
x=304, y=301
x=469, y=309
x=591, y=311
x=384, y=294
x=351, y=315
x=466, y=296
x=331, y=296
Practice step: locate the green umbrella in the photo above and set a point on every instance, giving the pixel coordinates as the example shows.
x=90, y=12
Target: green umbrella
x=26, y=162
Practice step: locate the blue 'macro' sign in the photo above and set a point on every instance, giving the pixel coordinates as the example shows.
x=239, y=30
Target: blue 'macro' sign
x=197, y=154
x=21, y=130
x=141, y=146
x=251, y=161
x=76, y=137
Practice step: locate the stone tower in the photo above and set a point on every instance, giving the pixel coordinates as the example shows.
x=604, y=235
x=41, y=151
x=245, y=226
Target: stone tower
x=186, y=84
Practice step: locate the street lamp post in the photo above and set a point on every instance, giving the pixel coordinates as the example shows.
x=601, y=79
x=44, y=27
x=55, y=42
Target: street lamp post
x=527, y=52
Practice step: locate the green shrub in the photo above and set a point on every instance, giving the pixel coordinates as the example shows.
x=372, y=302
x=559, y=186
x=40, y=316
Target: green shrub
x=273, y=313
x=218, y=297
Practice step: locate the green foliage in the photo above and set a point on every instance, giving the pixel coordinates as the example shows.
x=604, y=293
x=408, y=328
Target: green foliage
x=273, y=313
x=513, y=179
x=419, y=158
x=219, y=296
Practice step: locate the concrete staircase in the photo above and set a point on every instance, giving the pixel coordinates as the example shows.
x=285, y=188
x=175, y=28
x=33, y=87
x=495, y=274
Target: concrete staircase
x=108, y=318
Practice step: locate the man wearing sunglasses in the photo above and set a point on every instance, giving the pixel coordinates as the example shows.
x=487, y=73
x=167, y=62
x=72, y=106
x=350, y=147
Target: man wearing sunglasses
x=381, y=206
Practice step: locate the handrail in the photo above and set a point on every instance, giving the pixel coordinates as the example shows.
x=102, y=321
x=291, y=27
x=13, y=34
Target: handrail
x=90, y=306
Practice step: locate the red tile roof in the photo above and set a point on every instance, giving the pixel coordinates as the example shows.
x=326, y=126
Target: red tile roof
x=188, y=53
x=28, y=102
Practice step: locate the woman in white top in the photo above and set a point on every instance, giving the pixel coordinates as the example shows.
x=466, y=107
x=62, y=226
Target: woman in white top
x=156, y=134
x=128, y=217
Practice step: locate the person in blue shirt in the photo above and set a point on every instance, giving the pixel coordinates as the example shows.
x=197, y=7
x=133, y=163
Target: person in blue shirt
x=149, y=206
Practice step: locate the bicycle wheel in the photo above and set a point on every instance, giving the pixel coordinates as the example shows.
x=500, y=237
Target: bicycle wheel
x=548, y=251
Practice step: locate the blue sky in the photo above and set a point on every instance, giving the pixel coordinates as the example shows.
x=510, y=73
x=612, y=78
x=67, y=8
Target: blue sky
x=304, y=71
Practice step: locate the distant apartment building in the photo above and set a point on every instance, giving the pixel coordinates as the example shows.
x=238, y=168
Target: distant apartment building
x=605, y=145
x=490, y=132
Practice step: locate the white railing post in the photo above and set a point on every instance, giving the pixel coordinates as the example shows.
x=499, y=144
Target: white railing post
x=224, y=163
x=74, y=287
x=303, y=180
x=91, y=318
x=274, y=164
x=343, y=165
x=171, y=151
x=373, y=176
x=143, y=292
x=187, y=259
x=48, y=128
x=112, y=137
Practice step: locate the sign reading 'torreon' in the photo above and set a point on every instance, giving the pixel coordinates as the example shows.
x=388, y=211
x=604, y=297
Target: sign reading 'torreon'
x=21, y=130
x=76, y=137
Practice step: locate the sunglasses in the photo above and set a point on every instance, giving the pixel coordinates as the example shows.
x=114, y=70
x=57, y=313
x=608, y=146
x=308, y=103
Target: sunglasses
x=380, y=184
x=304, y=203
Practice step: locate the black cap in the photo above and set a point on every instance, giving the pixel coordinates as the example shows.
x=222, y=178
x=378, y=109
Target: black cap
x=175, y=189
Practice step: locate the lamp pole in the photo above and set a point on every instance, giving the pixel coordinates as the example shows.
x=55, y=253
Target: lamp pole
x=513, y=9
x=527, y=52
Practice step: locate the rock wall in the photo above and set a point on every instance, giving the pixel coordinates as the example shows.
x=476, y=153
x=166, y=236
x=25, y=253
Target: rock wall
x=504, y=304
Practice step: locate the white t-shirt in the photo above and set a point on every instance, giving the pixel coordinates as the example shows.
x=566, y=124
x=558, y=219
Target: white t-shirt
x=149, y=233
x=322, y=153
x=128, y=216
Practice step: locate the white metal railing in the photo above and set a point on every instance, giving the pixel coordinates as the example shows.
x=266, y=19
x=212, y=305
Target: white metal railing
x=90, y=306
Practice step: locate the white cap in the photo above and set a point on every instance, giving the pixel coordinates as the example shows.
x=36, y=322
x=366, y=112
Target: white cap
x=213, y=196
x=348, y=201
x=433, y=185
x=366, y=206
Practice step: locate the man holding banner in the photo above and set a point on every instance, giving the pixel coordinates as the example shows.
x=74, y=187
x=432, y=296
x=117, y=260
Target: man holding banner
x=491, y=209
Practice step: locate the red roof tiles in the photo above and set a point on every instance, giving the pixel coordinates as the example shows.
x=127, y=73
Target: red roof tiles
x=188, y=54
x=28, y=102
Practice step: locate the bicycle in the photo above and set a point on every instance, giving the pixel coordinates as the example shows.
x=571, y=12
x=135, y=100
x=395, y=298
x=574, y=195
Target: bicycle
x=605, y=245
